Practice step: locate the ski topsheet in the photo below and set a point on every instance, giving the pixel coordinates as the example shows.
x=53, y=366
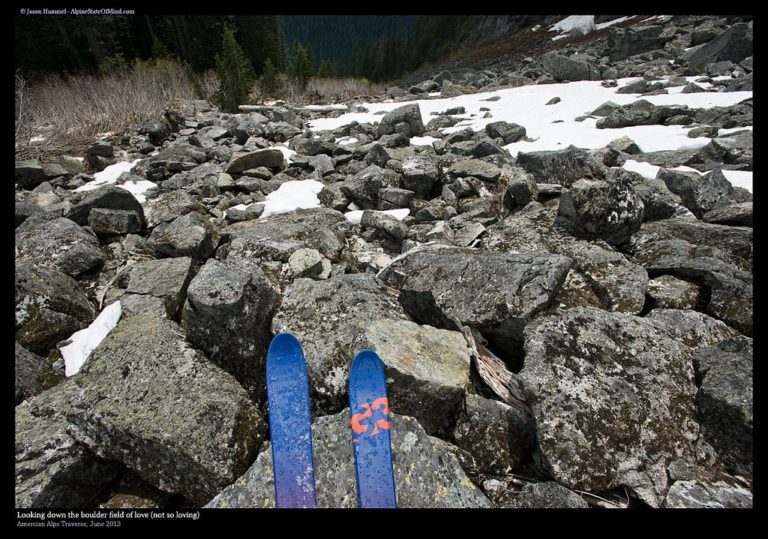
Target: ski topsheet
x=370, y=422
x=289, y=423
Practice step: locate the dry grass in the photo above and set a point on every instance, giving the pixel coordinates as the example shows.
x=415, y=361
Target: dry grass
x=319, y=91
x=73, y=112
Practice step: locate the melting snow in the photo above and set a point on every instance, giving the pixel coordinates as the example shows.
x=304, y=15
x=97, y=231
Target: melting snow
x=292, y=195
x=85, y=340
x=108, y=175
x=355, y=216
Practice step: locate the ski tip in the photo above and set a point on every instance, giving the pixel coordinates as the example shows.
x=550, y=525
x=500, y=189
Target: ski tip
x=285, y=343
x=367, y=363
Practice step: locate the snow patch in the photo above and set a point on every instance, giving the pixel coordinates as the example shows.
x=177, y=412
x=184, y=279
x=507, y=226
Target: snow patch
x=580, y=23
x=292, y=195
x=355, y=216
x=139, y=188
x=612, y=22
x=84, y=341
x=423, y=141
x=108, y=175
x=287, y=152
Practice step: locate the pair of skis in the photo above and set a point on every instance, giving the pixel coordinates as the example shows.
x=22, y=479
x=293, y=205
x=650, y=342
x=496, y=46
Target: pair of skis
x=291, y=433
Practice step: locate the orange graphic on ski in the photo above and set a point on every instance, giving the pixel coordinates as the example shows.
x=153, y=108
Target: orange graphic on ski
x=358, y=421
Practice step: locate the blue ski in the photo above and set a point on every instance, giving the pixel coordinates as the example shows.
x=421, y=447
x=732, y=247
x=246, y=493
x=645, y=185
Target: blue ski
x=289, y=423
x=369, y=417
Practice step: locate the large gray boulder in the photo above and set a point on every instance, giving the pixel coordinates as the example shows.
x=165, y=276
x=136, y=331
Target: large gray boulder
x=29, y=173
x=507, y=132
x=165, y=279
x=626, y=42
x=493, y=292
x=419, y=175
x=613, y=400
x=52, y=469
x=735, y=44
x=58, y=244
x=329, y=318
x=498, y=436
x=691, y=328
x=227, y=316
x=546, y=495
x=170, y=205
x=318, y=228
x=405, y=119
x=725, y=401
x=700, y=194
x=109, y=197
x=563, y=68
x=716, y=257
x=50, y=307
x=149, y=400
x=267, y=157
x=603, y=276
x=32, y=374
x=696, y=495
x=562, y=167
x=427, y=474
x=187, y=236
x=606, y=209
x=427, y=369
x=474, y=168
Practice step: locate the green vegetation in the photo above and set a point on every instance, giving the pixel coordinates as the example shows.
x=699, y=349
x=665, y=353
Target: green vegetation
x=235, y=73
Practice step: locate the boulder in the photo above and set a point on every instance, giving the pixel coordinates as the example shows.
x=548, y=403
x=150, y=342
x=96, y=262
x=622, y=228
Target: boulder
x=668, y=292
x=58, y=244
x=691, y=328
x=189, y=235
x=329, y=317
x=267, y=157
x=165, y=279
x=113, y=222
x=606, y=209
x=474, y=168
x=493, y=292
x=735, y=44
x=612, y=396
x=53, y=470
x=33, y=374
x=626, y=42
x=563, y=68
x=700, y=194
x=227, y=316
x=385, y=223
x=419, y=175
x=607, y=276
x=427, y=474
x=170, y=205
x=725, y=401
x=521, y=189
x=109, y=197
x=546, y=495
x=508, y=132
x=149, y=400
x=559, y=166
x=50, y=306
x=498, y=436
x=734, y=214
x=427, y=369
x=29, y=173
x=696, y=495
x=317, y=228
x=407, y=116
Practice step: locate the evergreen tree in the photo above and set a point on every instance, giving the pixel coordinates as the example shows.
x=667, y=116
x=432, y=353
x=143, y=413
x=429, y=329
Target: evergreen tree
x=301, y=65
x=326, y=70
x=268, y=80
x=235, y=74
